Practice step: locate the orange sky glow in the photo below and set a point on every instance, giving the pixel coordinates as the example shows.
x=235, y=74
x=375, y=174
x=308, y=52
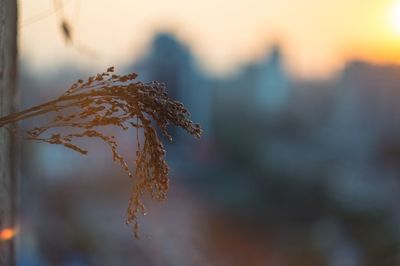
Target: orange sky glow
x=317, y=36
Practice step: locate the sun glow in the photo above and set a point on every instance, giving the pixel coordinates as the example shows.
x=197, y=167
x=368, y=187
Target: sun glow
x=395, y=17
x=7, y=234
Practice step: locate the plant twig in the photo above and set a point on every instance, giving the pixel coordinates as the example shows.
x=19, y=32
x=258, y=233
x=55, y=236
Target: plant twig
x=107, y=99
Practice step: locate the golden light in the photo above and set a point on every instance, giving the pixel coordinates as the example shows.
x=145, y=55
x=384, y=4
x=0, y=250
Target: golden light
x=7, y=234
x=395, y=16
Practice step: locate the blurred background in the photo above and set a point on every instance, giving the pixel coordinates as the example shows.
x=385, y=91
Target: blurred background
x=300, y=157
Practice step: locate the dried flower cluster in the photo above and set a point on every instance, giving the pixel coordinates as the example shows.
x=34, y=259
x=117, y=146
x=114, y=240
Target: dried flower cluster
x=113, y=100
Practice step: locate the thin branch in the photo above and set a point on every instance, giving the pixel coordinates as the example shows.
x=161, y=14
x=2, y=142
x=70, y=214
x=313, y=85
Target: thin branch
x=105, y=100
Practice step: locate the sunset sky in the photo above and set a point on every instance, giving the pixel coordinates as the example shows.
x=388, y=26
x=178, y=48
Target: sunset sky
x=317, y=35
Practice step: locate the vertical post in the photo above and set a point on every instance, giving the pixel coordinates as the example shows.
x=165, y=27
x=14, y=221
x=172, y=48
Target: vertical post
x=8, y=73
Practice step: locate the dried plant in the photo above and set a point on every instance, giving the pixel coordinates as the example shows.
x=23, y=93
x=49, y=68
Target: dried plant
x=113, y=100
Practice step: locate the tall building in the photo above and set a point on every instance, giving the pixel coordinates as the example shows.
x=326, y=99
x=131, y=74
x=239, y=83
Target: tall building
x=171, y=62
x=262, y=86
x=272, y=90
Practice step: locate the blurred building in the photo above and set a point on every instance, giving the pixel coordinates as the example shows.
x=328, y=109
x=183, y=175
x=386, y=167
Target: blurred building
x=171, y=62
x=273, y=89
x=264, y=86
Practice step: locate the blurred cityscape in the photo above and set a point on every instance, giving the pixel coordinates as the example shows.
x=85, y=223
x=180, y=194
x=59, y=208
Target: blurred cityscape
x=288, y=171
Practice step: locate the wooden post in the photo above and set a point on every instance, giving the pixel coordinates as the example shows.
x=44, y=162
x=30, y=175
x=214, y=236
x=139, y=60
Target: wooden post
x=8, y=73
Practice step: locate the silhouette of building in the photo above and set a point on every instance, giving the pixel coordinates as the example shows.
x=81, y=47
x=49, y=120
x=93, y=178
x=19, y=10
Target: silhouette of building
x=172, y=62
x=263, y=85
x=273, y=89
